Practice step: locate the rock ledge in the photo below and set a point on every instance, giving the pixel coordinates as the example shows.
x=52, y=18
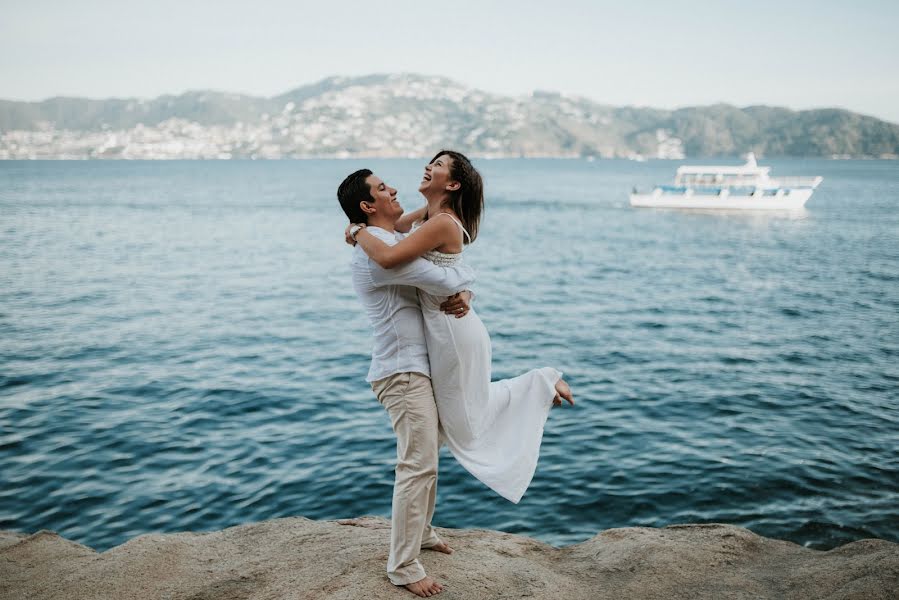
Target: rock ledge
x=297, y=558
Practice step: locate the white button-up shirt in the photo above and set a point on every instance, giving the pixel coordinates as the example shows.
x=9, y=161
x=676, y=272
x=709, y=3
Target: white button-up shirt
x=391, y=302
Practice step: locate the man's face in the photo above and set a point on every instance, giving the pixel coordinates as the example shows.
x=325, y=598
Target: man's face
x=384, y=198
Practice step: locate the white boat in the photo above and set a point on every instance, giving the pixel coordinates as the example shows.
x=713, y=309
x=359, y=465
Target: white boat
x=743, y=187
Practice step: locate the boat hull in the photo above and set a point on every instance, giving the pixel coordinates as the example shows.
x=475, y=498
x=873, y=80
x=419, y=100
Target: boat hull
x=793, y=200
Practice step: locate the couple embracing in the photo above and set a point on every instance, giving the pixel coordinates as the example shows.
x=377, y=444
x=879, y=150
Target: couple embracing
x=431, y=358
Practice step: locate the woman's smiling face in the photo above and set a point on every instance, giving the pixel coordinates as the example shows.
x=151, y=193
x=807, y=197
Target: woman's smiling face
x=437, y=175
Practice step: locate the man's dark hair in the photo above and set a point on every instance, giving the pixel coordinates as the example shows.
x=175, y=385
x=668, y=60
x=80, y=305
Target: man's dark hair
x=351, y=192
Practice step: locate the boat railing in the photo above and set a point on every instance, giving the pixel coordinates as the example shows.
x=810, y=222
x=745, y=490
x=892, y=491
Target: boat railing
x=774, y=182
x=729, y=180
x=795, y=182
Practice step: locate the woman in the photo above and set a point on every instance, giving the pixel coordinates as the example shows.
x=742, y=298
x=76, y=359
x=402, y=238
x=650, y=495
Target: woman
x=494, y=429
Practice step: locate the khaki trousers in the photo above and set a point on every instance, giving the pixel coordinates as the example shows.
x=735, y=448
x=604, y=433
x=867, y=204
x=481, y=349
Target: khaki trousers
x=409, y=400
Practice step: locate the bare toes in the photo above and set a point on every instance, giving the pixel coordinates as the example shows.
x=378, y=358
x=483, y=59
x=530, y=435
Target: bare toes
x=418, y=588
x=442, y=547
x=564, y=391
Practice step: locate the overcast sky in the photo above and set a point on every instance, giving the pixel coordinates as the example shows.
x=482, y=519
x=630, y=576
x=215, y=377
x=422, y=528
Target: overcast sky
x=666, y=54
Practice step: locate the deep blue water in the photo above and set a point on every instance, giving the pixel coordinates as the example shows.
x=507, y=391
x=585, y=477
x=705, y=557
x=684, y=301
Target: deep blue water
x=181, y=349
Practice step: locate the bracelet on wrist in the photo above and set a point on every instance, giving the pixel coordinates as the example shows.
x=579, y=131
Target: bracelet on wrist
x=355, y=229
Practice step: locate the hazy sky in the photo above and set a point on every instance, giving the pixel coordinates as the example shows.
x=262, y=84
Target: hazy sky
x=665, y=54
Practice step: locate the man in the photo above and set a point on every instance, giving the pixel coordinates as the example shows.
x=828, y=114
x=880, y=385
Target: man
x=400, y=373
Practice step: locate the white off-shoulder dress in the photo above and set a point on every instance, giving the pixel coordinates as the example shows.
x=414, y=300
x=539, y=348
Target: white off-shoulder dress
x=493, y=428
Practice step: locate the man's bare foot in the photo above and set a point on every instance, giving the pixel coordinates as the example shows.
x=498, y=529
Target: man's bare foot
x=563, y=391
x=425, y=588
x=441, y=547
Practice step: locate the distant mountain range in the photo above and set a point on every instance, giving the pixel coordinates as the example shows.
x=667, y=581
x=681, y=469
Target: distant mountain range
x=413, y=115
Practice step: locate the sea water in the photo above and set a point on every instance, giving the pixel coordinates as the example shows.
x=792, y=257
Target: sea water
x=181, y=349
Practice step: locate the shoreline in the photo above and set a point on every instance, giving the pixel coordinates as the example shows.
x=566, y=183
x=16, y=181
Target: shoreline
x=296, y=557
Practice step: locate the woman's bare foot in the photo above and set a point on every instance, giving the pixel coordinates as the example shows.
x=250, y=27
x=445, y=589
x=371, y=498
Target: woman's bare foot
x=425, y=588
x=441, y=547
x=563, y=391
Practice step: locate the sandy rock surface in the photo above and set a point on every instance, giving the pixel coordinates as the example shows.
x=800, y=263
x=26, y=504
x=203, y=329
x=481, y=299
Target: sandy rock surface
x=297, y=558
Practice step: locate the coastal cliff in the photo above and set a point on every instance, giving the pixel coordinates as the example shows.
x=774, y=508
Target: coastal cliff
x=344, y=117
x=295, y=558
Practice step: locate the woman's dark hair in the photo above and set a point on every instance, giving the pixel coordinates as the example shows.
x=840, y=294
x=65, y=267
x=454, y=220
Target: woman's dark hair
x=351, y=192
x=468, y=201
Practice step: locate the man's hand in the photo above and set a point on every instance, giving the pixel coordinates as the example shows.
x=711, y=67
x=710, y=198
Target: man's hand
x=457, y=305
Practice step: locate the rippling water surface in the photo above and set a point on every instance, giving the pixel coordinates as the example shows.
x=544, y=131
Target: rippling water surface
x=181, y=349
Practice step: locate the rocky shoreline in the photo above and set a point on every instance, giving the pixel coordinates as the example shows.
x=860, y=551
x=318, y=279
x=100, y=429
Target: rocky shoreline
x=296, y=558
